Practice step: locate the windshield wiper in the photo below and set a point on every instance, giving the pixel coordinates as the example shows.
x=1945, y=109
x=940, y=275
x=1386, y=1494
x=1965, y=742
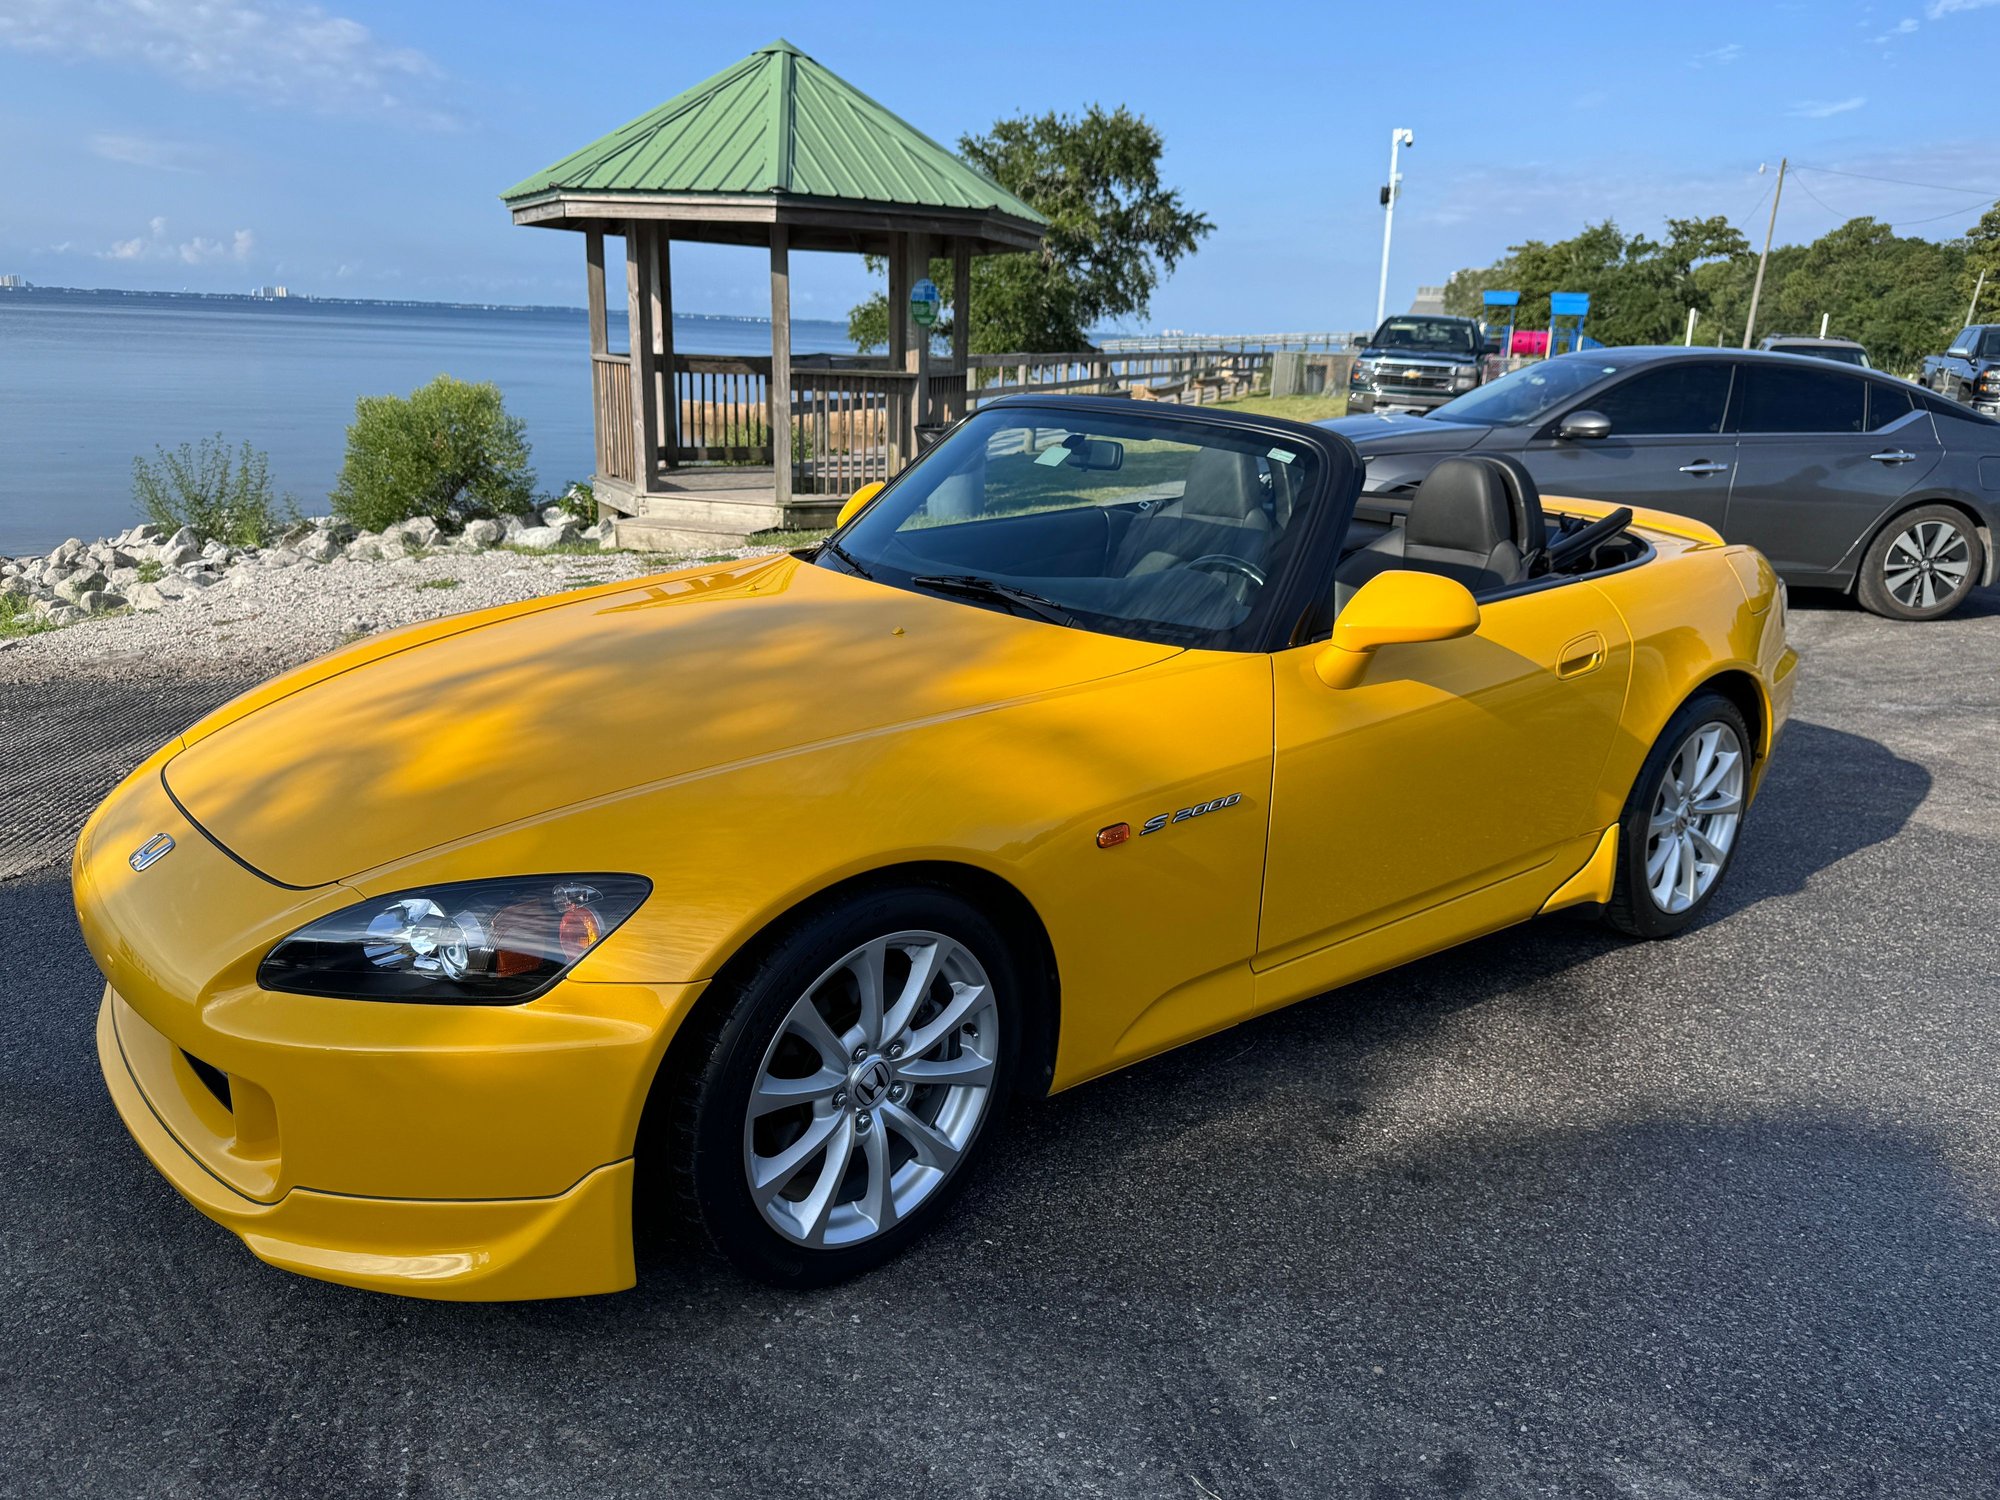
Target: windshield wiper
x=975, y=587
x=847, y=557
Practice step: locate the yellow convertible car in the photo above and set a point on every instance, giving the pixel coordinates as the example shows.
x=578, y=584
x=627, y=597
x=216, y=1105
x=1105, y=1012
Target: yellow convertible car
x=745, y=897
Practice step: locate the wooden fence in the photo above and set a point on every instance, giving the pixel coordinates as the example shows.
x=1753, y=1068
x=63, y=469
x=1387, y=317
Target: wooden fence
x=611, y=397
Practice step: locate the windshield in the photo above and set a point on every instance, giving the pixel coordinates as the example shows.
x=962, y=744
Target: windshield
x=1145, y=526
x=1528, y=394
x=1438, y=335
x=1846, y=354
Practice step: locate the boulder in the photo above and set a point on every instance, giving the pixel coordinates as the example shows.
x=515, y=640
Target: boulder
x=357, y=625
x=514, y=526
x=63, y=614
x=146, y=534
x=418, y=531
x=278, y=557
x=117, y=557
x=177, y=553
x=366, y=547
x=122, y=579
x=147, y=597
x=68, y=553
x=320, y=547
x=173, y=586
x=201, y=578
x=482, y=534
x=76, y=585
x=99, y=601
x=551, y=536
x=213, y=548
x=553, y=514
x=14, y=586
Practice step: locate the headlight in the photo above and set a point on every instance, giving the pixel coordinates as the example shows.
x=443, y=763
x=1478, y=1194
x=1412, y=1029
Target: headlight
x=1360, y=374
x=476, y=942
x=1465, y=378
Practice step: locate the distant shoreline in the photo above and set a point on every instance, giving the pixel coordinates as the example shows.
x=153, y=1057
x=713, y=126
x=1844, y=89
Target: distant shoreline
x=252, y=299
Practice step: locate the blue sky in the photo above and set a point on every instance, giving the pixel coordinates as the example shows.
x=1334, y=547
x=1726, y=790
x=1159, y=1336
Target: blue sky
x=356, y=148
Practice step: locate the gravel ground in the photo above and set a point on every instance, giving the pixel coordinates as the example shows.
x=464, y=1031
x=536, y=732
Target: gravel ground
x=264, y=620
x=1550, y=1215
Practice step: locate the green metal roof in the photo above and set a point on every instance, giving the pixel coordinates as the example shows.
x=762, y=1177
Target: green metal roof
x=776, y=122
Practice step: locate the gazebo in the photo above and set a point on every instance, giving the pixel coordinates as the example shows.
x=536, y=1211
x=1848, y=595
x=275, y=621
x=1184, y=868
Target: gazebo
x=775, y=151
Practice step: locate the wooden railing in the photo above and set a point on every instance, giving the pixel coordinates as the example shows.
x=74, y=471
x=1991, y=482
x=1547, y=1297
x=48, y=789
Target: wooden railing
x=1192, y=376
x=850, y=427
x=611, y=395
x=725, y=405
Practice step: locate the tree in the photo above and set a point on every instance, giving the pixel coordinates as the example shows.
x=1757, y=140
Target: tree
x=1982, y=253
x=448, y=450
x=1115, y=231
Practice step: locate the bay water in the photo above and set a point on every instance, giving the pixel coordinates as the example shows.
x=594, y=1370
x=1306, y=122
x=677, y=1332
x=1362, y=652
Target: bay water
x=89, y=380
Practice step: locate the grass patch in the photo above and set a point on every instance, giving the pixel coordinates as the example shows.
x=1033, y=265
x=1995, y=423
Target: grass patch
x=17, y=617
x=439, y=583
x=561, y=549
x=152, y=570
x=1294, y=408
x=786, y=541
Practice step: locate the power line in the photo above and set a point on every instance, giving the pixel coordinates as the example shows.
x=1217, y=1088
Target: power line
x=1912, y=223
x=1905, y=182
x=1950, y=213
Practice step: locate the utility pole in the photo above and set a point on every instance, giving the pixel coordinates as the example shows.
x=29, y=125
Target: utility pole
x=1757, y=287
x=1688, y=342
x=1397, y=140
x=1977, y=287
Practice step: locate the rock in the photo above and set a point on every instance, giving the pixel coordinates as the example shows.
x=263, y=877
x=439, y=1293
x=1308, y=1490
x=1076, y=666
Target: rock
x=592, y=533
x=320, y=547
x=122, y=579
x=63, y=614
x=482, y=534
x=99, y=601
x=366, y=547
x=297, y=532
x=201, y=578
x=551, y=536
x=185, y=537
x=341, y=531
x=357, y=625
x=173, y=586
x=278, y=557
x=418, y=531
x=147, y=534
x=14, y=586
x=147, y=597
x=119, y=558
x=514, y=526
x=177, y=553
x=67, y=553
x=74, y=587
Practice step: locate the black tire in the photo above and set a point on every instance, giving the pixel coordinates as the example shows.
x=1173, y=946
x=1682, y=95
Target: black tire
x=1892, y=580
x=1633, y=909
x=702, y=1142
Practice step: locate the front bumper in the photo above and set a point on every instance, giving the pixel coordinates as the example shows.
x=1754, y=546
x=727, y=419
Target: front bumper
x=569, y=1244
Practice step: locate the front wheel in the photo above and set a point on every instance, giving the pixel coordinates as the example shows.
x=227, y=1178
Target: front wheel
x=1680, y=825
x=1922, y=565
x=847, y=1085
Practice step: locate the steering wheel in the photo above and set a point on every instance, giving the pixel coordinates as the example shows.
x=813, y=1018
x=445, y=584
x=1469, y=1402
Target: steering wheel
x=1223, y=562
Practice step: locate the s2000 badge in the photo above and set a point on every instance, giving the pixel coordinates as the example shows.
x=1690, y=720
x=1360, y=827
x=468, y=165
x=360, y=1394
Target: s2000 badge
x=1165, y=820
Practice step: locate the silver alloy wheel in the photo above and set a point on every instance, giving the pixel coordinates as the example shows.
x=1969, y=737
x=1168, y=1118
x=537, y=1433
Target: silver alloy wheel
x=872, y=1089
x=1927, y=564
x=1695, y=815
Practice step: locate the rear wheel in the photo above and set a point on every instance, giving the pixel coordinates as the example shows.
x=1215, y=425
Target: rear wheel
x=847, y=1085
x=1922, y=565
x=1680, y=826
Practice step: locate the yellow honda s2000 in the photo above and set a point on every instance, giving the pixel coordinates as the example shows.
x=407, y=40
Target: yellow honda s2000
x=747, y=895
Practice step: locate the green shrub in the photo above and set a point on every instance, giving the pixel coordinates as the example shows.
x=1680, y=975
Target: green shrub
x=580, y=500
x=219, y=493
x=448, y=451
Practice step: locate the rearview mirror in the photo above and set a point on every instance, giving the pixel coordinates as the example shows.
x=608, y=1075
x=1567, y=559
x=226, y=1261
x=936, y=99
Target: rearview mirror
x=1100, y=455
x=1397, y=608
x=1586, y=426
x=857, y=502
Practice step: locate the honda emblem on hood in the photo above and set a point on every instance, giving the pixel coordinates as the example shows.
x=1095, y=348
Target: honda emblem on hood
x=150, y=853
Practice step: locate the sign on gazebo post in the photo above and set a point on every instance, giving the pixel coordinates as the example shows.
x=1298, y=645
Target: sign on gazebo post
x=675, y=427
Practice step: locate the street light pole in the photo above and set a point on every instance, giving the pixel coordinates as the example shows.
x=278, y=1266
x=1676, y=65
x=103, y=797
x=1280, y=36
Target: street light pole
x=1397, y=140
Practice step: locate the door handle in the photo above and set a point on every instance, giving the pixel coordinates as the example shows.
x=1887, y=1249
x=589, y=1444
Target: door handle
x=1584, y=654
x=1705, y=466
x=1894, y=456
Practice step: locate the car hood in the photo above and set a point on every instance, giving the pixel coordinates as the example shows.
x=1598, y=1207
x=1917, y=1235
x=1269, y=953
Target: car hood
x=447, y=730
x=1419, y=356
x=1398, y=432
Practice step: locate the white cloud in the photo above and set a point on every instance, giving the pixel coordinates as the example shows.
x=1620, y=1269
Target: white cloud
x=273, y=51
x=143, y=151
x=1822, y=109
x=157, y=244
x=1937, y=10
x=1717, y=57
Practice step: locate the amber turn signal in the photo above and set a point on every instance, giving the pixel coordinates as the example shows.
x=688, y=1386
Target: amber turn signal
x=1116, y=834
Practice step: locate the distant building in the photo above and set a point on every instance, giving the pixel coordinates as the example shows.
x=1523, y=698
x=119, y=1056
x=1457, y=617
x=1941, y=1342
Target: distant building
x=1430, y=299
x=272, y=293
x=15, y=283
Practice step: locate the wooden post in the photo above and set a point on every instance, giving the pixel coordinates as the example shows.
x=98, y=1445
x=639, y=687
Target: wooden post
x=919, y=357
x=961, y=321
x=593, y=281
x=899, y=344
x=780, y=386
x=639, y=310
x=663, y=316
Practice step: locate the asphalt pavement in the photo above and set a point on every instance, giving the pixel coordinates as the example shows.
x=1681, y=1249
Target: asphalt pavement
x=1554, y=1214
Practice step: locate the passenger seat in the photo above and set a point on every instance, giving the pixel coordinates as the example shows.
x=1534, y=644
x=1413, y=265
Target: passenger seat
x=1462, y=525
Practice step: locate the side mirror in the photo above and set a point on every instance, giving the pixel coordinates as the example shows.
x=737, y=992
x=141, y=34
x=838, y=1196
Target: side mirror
x=1585, y=426
x=1489, y=347
x=857, y=502
x=1394, y=609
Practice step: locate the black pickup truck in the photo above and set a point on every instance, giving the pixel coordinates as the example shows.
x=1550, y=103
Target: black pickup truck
x=1969, y=370
x=1420, y=360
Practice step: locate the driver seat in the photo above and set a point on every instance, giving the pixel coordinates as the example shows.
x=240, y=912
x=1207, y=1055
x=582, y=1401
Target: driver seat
x=1461, y=526
x=1220, y=509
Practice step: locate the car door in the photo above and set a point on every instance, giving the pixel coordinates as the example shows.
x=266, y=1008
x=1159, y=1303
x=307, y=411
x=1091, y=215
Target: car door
x=1821, y=456
x=1667, y=448
x=1455, y=769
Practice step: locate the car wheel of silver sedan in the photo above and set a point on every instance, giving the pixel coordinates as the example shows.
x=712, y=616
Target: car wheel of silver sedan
x=1922, y=565
x=846, y=1083
x=1681, y=823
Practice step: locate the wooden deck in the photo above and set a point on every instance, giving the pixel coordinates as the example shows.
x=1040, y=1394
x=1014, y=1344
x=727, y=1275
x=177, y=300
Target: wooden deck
x=711, y=509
